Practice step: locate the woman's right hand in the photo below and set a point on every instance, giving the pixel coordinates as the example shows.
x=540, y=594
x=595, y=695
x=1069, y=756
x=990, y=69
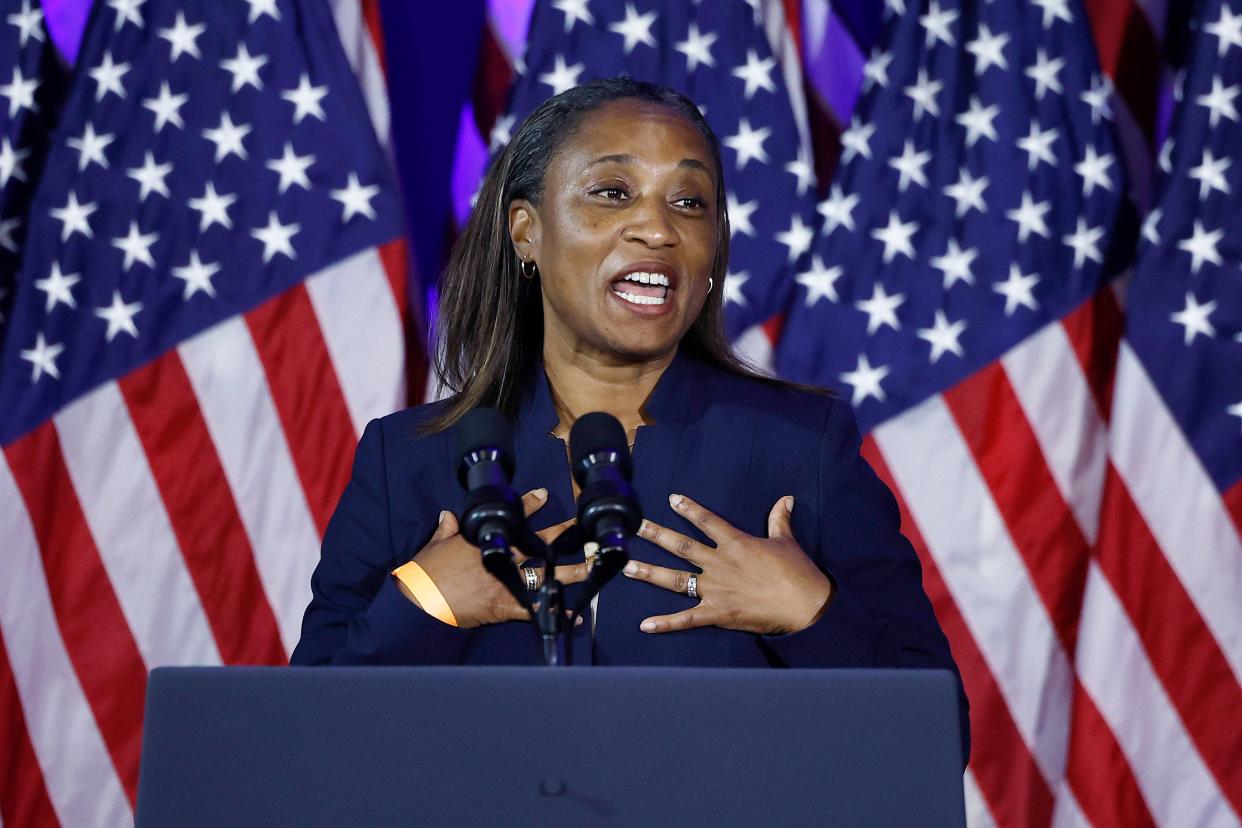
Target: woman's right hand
x=471, y=592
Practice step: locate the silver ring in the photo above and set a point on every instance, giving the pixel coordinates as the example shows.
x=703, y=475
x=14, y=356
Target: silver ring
x=532, y=578
x=692, y=586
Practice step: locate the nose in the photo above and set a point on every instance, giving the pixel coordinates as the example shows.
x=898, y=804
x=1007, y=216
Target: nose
x=651, y=224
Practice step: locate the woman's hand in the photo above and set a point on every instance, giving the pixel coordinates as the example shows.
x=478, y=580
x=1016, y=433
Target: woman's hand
x=760, y=585
x=472, y=593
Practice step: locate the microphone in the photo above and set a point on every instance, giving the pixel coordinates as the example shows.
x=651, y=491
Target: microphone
x=492, y=518
x=608, y=510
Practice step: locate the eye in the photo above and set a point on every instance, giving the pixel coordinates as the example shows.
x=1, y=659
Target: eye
x=611, y=193
x=692, y=203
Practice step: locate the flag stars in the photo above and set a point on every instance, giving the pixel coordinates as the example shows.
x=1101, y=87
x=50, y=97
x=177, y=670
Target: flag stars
x=978, y=121
x=739, y=215
x=989, y=50
x=276, y=238
x=881, y=309
x=896, y=237
x=502, y=132
x=923, y=92
x=1211, y=174
x=167, y=108
x=244, y=68
x=1195, y=319
x=291, y=168
x=59, y=288
x=182, y=38
x=7, y=227
x=1227, y=30
x=150, y=177
x=213, y=208
x=800, y=168
x=356, y=199
x=20, y=91
x=136, y=246
x=820, y=282
x=1085, y=242
x=733, y=284
x=107, y=76
x=748, y=144
x=1235, y=409
x=263, y=8
x=955, y=264
x=11, y=162
x=575, y=12
x=306, y=99
x=42, y=358
x=909, y=166
x=875, y=70
x=944, y=337
x=1151, y=226
x=838, y=209
x=697, y=47
x=1030, y=217
x=1202, y=246
x=1038, y=146
x=936, y=25
x=1219, y=101
x=1098, y=97
x=562, y=77
x=197, y=276
x=797, y=238
x=228, y=138
x=29, y=23
x=1046, y=74
x=1018, y=290
x=866, y=381
x=967, y=193
x=756, y=73
x=1054, y=10
x=635, y=28
x=127, y=11
x=90, y=147
x=856, y=140
x=75, y=218
x=120, y=316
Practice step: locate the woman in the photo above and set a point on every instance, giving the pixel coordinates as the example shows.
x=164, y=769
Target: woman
x=589, y=279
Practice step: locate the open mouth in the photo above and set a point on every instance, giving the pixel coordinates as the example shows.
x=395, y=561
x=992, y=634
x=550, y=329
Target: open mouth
x=641, y=288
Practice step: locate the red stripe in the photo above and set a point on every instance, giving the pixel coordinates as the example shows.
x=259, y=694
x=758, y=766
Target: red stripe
x=491, y=82
x=307, y=395
x=1129, y=54
x=375, y=27
x=793, y=22
x=1095, y=328
x=1009, y=779
x=825, y=136
x=97, y=637
x=1044, y=529
x=1233, y=505
x=1182, y=650
x=395, y=258
x=1099, y=772
x=23, y=795
x=202, y=511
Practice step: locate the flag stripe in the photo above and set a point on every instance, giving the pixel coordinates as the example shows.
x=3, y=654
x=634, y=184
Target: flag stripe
x=131, y=529
x=354, y=307
x=308, y=397
x=1182, y=650
x=1003, y=766
x=360, y=50
x=1094, y=329
x=96, y=635
x=23, y=796
x=202, y=510
x=228, y=382
x=77, y=769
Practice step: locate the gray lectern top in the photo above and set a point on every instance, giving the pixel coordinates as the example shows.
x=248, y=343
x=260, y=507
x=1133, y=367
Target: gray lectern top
x=379, y=746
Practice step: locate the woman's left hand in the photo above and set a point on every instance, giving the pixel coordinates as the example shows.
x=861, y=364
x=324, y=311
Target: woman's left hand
x=760, y=585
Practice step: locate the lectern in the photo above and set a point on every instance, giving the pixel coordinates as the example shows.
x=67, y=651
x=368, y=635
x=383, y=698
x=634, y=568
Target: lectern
x=532, y=746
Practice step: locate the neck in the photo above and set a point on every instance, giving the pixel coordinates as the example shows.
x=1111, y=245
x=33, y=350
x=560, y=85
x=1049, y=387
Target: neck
x=581, y=384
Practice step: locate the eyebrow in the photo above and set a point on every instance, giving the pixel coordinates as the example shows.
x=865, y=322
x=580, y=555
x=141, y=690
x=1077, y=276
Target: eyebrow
x=693, y=163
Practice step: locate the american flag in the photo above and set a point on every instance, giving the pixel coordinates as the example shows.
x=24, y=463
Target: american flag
x=209, y=309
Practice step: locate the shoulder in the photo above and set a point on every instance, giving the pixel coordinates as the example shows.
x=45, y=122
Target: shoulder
x=402, y=435
x=774, y=404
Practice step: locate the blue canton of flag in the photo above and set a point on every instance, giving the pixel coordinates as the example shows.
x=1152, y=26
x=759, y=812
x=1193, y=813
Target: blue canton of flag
x=974, y=203
x=211, y=155
x=1184, y=314
x=717, y=55
x=32, y=86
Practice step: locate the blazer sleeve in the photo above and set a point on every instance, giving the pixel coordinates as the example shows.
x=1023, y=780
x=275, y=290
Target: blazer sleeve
x=356, y=614
x=879, y=616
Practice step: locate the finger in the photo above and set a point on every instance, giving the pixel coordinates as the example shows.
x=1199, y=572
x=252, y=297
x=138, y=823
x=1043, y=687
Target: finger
x=778, y=518
x=446, y=526
x=711, y=524
x=683, y=546
x=674, y=580
x=572, y=573
x=533, y=500
x=553, y=532
x=684, y=620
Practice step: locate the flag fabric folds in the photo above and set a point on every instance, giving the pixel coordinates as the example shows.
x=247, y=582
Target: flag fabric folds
x=208, y=310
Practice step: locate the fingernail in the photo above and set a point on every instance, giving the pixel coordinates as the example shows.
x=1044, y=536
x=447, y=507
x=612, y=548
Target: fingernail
x=647, y=626
x=644, y=528
x=675, y=500
x=540, y=494
x=789, y=504
x=444, y=513
x=631, y=568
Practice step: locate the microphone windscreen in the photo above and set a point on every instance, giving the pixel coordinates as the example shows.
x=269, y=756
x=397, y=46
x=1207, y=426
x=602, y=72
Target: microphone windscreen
x=483, y=428
x=594, y=432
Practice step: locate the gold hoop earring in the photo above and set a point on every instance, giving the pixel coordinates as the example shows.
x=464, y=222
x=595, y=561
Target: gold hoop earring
x=529, y=269
x=710, y=284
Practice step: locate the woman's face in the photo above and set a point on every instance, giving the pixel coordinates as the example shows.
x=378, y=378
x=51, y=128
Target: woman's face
x=625, y=235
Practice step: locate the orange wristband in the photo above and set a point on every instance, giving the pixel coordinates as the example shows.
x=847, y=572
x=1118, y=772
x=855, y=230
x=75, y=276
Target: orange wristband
x=420, y=585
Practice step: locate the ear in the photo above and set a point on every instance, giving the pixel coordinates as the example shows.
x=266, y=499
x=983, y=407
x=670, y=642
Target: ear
x=524, y=228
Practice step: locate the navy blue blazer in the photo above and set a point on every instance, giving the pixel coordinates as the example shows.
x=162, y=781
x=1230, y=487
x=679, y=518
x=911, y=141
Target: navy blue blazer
x=732, y=444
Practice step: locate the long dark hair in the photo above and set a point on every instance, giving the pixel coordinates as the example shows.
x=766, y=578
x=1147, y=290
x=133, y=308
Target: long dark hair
x=490, y=325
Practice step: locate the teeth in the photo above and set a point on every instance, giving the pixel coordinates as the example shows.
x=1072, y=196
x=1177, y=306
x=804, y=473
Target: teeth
x=648, y=279
x=640, y=300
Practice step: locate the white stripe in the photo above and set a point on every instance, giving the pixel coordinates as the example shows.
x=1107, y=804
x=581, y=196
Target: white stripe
x=754, y=347
x=1065, y=810
x=1051, y=388
x=1116, y=673
x=977, y=813
x=357, y=313
x=1179, y=502
x=80, y=778
x=130, y=526
x=781, y=41
x=360, y=50
x=989, y=582
x=228, y=380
